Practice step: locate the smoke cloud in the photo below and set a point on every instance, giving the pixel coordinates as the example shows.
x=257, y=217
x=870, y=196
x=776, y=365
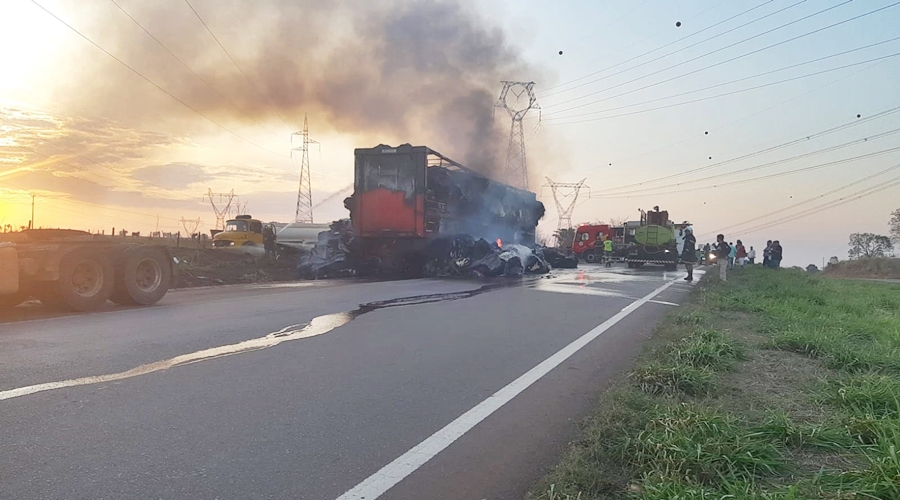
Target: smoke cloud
x=423, y=72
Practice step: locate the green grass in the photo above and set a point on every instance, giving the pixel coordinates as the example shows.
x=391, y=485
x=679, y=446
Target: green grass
x=710, y=411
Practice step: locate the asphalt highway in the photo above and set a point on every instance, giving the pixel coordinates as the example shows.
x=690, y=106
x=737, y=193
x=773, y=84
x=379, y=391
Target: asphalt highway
x=432, y=389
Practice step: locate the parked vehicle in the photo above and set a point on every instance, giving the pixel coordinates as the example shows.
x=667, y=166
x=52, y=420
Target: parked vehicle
x=243, y=230
x=657, y=240
x=588, y=244
x=75, y=270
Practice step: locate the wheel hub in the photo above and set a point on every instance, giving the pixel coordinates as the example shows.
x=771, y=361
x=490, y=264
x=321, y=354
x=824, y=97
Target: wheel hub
x=87, y=278
x=148, y=275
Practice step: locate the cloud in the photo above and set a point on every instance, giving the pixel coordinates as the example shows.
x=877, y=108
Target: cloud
x=172, y=175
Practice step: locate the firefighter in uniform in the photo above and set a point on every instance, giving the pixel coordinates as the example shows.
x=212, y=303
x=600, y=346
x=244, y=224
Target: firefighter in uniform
x=607, y=251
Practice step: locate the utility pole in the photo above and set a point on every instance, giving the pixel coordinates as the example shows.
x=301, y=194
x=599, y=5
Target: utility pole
x=565, y=190
x=31, y=224
x=304, y=193
x=222, y=208
x=516, y=166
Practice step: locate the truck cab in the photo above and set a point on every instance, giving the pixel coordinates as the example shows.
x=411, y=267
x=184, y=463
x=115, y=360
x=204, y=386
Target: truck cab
x=589, y=238
x=243, y=230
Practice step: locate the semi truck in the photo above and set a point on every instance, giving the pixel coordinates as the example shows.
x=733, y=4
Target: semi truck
x=657, y=240
x=406, y=197
x=74, y=270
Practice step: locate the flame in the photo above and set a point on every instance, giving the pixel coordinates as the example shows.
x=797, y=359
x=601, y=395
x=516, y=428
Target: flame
x=499, y=243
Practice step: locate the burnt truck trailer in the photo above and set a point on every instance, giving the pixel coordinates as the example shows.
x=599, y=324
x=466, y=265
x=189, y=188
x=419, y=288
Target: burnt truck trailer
x=75, y=270
x=407, y=197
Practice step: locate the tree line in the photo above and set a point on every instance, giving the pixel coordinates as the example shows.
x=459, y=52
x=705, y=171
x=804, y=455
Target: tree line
x=871, y=245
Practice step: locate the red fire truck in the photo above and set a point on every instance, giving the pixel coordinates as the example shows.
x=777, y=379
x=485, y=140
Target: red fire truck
x=588, y=245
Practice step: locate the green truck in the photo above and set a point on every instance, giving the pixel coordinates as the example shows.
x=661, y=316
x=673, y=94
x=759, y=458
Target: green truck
x=657, y=240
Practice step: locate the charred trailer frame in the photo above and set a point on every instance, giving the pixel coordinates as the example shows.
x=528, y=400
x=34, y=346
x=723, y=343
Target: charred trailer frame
x=406, y=197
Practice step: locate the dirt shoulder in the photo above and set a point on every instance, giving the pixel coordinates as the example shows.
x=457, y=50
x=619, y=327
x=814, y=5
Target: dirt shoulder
x=776, y=385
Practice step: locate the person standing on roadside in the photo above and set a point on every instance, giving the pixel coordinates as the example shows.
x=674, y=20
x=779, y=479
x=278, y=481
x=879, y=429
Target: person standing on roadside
x=766, y=253
x=269, y=240
x=751, y=256
x=731, y=255
x=741, y=254
x=689, y=253
x=722, y=251
x=775, y=255
x=608, y=251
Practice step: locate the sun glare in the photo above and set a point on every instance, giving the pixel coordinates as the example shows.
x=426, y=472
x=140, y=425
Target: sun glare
x=27, y=42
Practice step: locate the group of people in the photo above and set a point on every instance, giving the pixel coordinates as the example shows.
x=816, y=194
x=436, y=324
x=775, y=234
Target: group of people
x=772, y=254
x=727, y=254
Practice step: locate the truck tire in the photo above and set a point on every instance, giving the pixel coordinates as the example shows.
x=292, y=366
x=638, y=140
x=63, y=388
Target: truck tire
x=144, y=276
x=590, y=257
x=86, y=282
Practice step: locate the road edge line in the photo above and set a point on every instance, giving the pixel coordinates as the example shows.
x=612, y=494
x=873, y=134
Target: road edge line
x=388, y=476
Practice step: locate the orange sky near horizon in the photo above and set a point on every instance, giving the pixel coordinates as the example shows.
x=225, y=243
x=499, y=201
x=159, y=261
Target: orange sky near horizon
x=100, y=147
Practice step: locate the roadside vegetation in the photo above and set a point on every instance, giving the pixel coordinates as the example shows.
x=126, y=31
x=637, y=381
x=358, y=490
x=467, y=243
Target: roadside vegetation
x=778, y=385
x=875, y=268
x=205, y=267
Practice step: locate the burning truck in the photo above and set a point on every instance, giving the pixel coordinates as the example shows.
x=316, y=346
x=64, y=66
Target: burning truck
x=414, y=211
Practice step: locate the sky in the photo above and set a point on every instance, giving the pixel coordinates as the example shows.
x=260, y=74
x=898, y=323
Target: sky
x=759, y=119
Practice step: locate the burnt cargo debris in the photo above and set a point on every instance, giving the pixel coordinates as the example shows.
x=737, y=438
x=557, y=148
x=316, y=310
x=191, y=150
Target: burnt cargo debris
x=333, y=256
x=406, y=198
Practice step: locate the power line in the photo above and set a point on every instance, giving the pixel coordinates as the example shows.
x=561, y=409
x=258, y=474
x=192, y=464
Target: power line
x=770, y=149
x=792, y=66
x=795, y=205
x=742, y=118
x=753, y=179
x=187, y=67
x=56, y=144
x=863, y=193
x=667, y=45
x=88, y=171
x=151, y=82
x=60, y=147
x=236, y=65
x=725, y=61
x=725, y=94
x=600, y=29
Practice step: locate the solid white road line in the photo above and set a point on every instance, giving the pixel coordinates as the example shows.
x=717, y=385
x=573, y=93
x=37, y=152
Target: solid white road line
x=380, y=482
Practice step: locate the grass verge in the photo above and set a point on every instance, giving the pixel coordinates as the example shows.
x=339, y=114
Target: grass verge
x=777, y=385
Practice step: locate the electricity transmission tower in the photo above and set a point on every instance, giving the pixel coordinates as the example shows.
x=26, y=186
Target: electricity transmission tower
x=304, y=194
x=516, y=167
x=191, y=226
x=238, y=207
x=564, y=190
x=221, y=204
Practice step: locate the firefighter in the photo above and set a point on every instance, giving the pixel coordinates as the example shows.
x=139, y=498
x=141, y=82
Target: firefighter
x=269, y=240
x=607, y=251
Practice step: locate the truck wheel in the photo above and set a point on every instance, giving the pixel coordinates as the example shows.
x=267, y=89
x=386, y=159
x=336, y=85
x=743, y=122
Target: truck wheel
x=144, y=277
x=86, y=281
x=590, y=257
